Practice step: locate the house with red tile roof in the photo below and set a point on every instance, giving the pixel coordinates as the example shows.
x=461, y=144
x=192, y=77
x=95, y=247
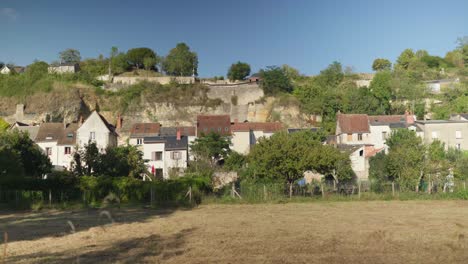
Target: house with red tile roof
x=245, y=135
x=220, y=124
x=142, y=130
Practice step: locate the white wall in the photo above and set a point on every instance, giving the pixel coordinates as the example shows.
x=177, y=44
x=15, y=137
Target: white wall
x=103, y=137
x=58, y=156
x=343, y=139
x=149, y=148
x=376, y=135
x=359, y=163
x=167, y=163
x=240, y=142
x=170, y=163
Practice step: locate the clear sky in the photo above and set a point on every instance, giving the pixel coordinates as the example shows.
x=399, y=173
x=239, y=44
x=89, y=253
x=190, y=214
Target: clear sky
x=305, y=34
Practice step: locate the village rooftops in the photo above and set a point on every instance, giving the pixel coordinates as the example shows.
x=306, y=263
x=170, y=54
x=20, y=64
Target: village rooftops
x=268, y=127
x=424, y=122
x=170, y=142
x=220, y=124
x=294, y=130
x=140, y=130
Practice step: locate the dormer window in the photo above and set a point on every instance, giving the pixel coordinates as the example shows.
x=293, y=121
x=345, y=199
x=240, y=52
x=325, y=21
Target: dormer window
x=70, y=135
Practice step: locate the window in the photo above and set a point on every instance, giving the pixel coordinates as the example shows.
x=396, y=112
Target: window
x=175, y=155
x=219, y=129
x=359, y=137
x=49, y=137
x=384, y=135
x=67, y=150
x=361, y=153
x=458, y=134
x=139, y=141
x=92, y=135
x=156, y=155
x=226, y=129
x=458, y=146
x=350, y=137
x=48, y=151
x=434, y=135
x=70, y=135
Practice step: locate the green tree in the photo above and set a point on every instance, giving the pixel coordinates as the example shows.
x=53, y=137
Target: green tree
x=87, y=161
x=181, y=61
x=149, y=63
x=292, y=73
x=211, y=148
x=380, y=64
x=3, y=125
x=119, y=63
x=37, y=70
x=285, y=157
x=332, y=76
x=34, y=162
x=405, y=58
x=122, y=161
x=275, y=80
x=406, y=158
x=238, y=71
x=235, y=161
x=381, y=88
x=10, y=163
x=455, y=57
x=136, y=56
x=70, y=56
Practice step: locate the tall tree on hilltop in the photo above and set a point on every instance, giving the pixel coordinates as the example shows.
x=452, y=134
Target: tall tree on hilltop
x=380, y=64
x=181, y=61
x=238, y=71
x=136, y=56
x=70, y=56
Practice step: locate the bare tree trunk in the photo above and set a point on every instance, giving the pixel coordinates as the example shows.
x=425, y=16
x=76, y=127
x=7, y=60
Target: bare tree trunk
x=290, y=190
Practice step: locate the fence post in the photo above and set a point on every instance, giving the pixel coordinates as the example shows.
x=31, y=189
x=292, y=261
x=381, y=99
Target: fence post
x=323, y=193
x=393, y=189
x=359, y=189
x=264, y=192
x=50, y=198
x=464, y=185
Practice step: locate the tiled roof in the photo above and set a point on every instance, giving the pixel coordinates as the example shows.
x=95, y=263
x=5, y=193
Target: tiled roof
x=50, y=132
x=353, y=123
x=31, y=130
x=145, y=130
x=257, y=126
x=214, y=123
x=172, y=131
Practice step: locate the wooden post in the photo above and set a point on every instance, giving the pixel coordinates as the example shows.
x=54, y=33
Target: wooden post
x=232, y=190
x=359, y=189
x=464, y=185
x=393, y=189
x=50, y=198
x=190, y=194
x=264, y=192
x=323, y=193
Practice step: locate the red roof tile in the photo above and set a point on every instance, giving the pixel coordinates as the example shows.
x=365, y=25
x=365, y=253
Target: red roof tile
x=257, y=126
x=145, y=130
x=214, y=123
x=353, y=123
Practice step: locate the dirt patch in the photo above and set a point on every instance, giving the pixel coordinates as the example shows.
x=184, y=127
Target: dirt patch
x=347, y=232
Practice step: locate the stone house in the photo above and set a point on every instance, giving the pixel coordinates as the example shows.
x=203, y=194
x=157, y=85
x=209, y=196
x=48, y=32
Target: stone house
x=64, y=68
x=359, y=159
x=453, y=133
x=245, y=135
x=58, y=141
x=97, y=129
x=166, y=156
x=352, y=129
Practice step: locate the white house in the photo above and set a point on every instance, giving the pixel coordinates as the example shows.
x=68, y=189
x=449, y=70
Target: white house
x=9, y=69
x=5, y=70
x=359, y=159
x=97, y=129
x=245, y=135
x=167, y=155
x=141, y=130
x=64, y=68
x=58, y=141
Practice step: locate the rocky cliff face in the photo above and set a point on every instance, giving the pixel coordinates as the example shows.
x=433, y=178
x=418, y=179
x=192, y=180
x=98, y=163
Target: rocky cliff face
x=243, y=103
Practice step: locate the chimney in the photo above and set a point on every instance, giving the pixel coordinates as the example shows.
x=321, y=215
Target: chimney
x=80, y=122
x=19, y=112
x=178, y=134
x=119, y=122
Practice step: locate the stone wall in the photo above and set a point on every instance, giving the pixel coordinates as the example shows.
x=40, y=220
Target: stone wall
x=246, y=93
x=162, y=80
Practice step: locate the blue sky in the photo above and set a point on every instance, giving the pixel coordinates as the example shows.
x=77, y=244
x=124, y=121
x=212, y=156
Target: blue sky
x=305, y=34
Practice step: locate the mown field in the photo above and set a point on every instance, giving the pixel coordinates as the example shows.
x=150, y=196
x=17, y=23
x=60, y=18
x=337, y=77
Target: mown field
x=319, y=232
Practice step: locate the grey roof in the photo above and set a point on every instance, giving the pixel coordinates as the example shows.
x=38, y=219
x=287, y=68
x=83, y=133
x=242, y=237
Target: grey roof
x=440, y=121
x=171, y=142
x=397, y=125
x=31, y=130
x=172, y=131
x=294, y=130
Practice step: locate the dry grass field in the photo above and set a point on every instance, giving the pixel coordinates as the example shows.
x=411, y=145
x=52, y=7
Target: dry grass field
x=322, y=232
